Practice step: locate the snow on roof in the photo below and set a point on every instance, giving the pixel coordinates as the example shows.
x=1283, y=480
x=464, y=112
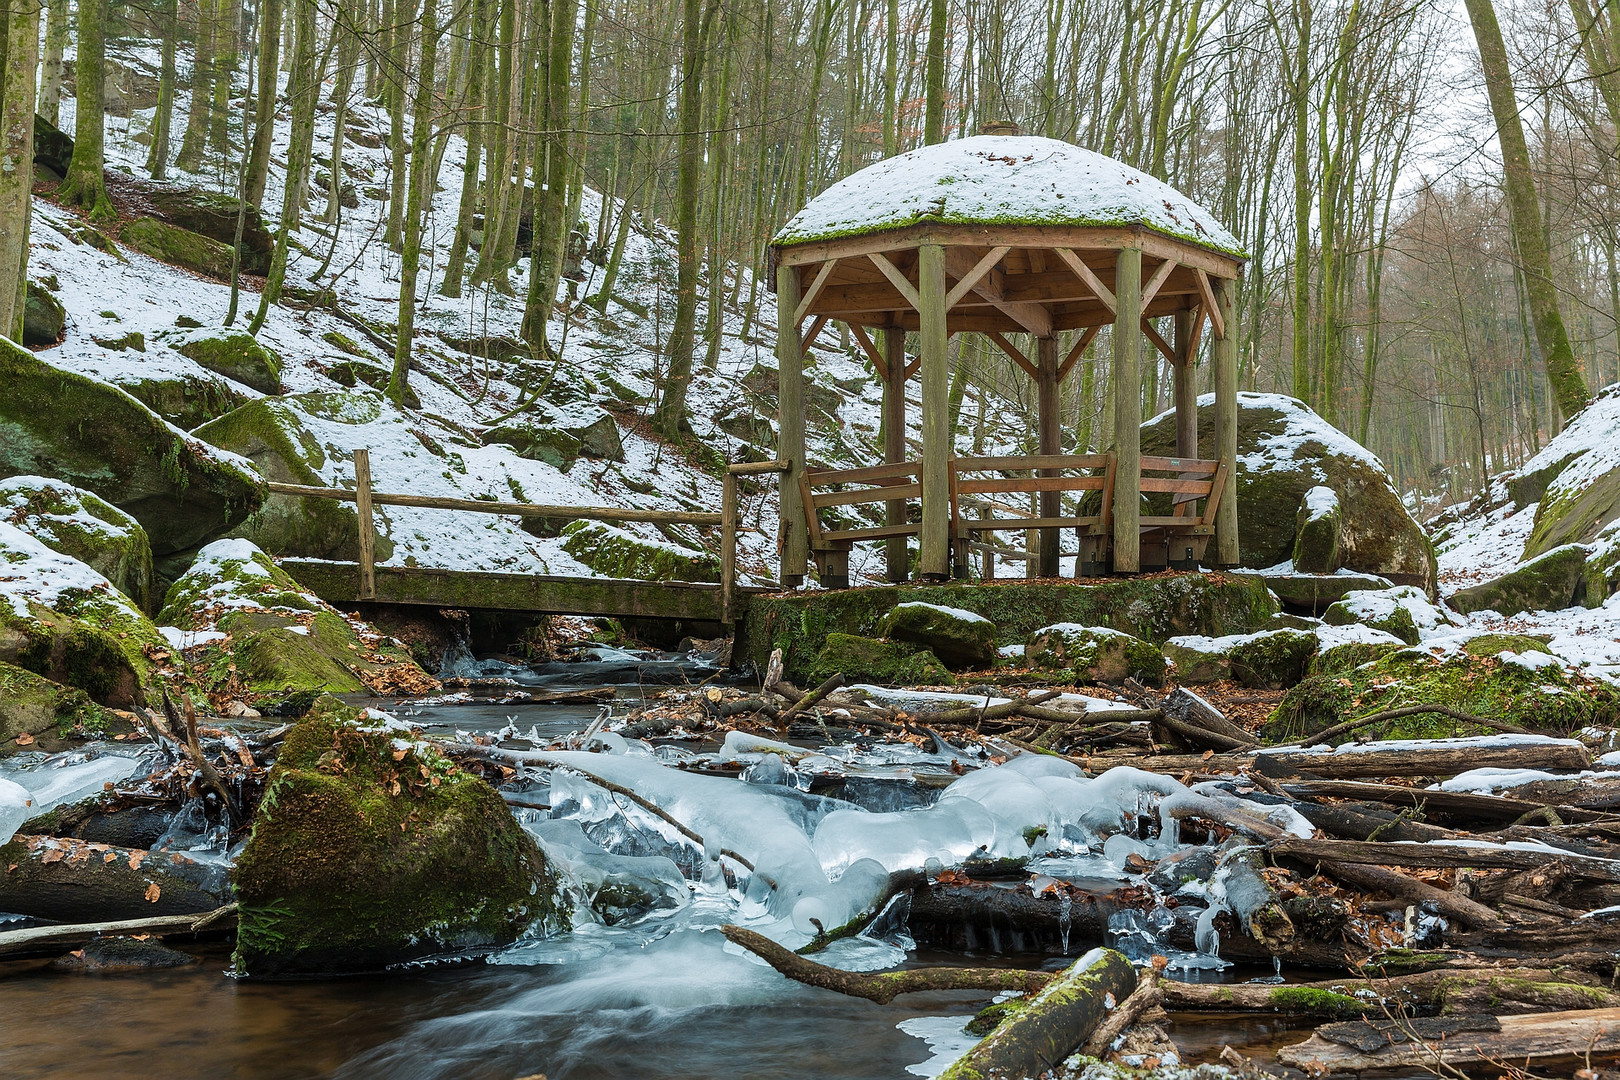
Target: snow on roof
x=1003, y=179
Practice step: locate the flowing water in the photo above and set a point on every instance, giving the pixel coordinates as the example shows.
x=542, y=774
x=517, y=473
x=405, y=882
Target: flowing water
x=659, y=994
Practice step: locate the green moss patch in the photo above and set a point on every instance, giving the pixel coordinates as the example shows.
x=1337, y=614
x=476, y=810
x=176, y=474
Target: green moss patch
x=1095, y=654
x=1548, y=582
x=371, y=848
x=48, y=715
x=178, y=247
x=960, y=639
x=83, y=526
x=616, y=553
x=234, y=354
x=886, y=663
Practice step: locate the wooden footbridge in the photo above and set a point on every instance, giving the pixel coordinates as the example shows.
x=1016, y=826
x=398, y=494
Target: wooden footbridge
x=364, y=582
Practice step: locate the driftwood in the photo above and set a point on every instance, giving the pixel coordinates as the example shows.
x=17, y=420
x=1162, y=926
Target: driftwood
x=1380, y=879
x=1455, y=805
x=900, y=881
x=1368, y=822
x=1144, y=997
x=807, y=701
x=1190, y=710
x=1441, y=855
x=1057, y=1021
x=882, y=987
x=1522, y=1040
x=1337, y=998
x=1015, y=918
x=1423, y=761
x=38, y=941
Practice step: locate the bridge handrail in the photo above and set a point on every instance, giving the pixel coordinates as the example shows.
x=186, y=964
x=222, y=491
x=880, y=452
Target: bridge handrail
x=364, y=499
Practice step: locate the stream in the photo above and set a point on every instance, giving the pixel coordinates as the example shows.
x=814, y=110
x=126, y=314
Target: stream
x=659, y=994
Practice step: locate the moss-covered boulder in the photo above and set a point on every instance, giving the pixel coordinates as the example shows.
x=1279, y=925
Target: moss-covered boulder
x=1314, y=593
x=185, y=400
x=1403, y=611
x=46, y=715
x=1195, y=660
x=60, y=424
x=1094, y=654
x=873, y=660
x=44, y=317
x=279, y=640
x=614, y=552
x=1524, y=687
x=77, y=523
x=1316, y=532
x=234, y=354
x=961, y=639
x=62, y=620
x=1574, y=480
x=178, y=247
x=1284, y=450
x=1340, y=648
x=1272, y=659
x=291, y=440
x=213, y=214
x=53, y=148
x=1151, y=607
x=371, y=848
x=561, y=434
x=1548, y=582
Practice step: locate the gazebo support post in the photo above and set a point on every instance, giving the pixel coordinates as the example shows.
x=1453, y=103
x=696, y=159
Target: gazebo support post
x=1186, y=387
x=1225, y=357
x=894, y=443
x=1050, y=442
x=934, y=540
x=1125, y=386
x=790, y=423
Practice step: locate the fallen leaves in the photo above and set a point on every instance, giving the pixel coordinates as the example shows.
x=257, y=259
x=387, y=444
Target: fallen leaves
x=153, y=892
x=25, y=739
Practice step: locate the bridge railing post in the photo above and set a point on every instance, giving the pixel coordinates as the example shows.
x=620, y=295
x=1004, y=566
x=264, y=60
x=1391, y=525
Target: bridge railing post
x=728, y=548
x=368, y=524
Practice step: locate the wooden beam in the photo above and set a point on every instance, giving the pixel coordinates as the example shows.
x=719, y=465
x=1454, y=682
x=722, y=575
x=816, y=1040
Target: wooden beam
x=1197, y=334
x=368, y=524
x=896, y=556
x=897, y=279
x=967, y=281
x=815, y=331
x=1151, y=289
x=1224, y=357
x=1216, y=318
x=1086, y=338
x=1125, y=387
x=795, y=547
x=814, y=290
x=989, y=285
x=1087, y=275
x=1158, y=340
x=1013, y=354
x=934, y=540
x=1049, y=436
x=879, y=364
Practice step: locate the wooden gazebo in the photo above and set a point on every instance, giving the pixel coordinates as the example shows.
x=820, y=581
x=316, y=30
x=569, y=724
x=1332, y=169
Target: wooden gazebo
x=1002, y=235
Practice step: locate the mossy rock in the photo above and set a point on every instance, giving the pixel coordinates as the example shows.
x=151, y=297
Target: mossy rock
x=281, y=640
x=235, y=354
x=50, y=715
x=371, y=849
x=78, y=524
x=273, y=433
x=1273, y=659
x=1198, y=660
x=616, y=553
x=1284, y=450
x=560, y=435
x=186, y=401
x=1314, y=593
x=178, y=247
x=1403, y=611
x=1548, y=582
x=213, y=215
x=1496, y=644
x=1094, y=654
x=960, y=639
x=1548, y=698
x=60, y=424
x=63, y=620
x=1575, y=499
x=44, y=317
x=872, y=660
x=1316, y=532
x=352, y=373
x=1151, y=607
x=1346, y=655
x=53, y=148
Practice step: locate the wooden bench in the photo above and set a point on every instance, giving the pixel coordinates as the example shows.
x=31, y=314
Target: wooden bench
x=821, y=489
x=1177, y=540
x=973, y=479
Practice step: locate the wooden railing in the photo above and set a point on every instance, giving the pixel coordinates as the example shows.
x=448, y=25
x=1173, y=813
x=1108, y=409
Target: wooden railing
x=364, y=499
x=1057, y=473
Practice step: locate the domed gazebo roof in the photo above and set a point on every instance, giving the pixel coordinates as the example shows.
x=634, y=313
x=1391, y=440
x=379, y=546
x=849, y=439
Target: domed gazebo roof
x=1003, y=180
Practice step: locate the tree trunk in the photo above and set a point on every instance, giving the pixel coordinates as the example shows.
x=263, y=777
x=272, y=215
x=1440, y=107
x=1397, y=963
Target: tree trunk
x=16, y=160
x=264, y=107
x=202, y=83
x=1563, y=374
x=477, y=61
x=934, y=117
x=421, y=187
x=85, y=185
x=551, y=177
x=301, y=93
x=157, y=159
x=56, y=36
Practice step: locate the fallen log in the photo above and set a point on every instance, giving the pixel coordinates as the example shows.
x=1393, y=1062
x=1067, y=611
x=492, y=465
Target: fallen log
x=38, y=941
x=1057, y=1021
x=1144, y=997
x=1523, y=1040
x=1189, y=708
x=1379, y=879
x=883, y=987
x=970, y=917
x=1449, y=854
x=1338, y=999
x=76, y=880
x=1368, y=822
x=1403, y=759
x=1455, y=805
